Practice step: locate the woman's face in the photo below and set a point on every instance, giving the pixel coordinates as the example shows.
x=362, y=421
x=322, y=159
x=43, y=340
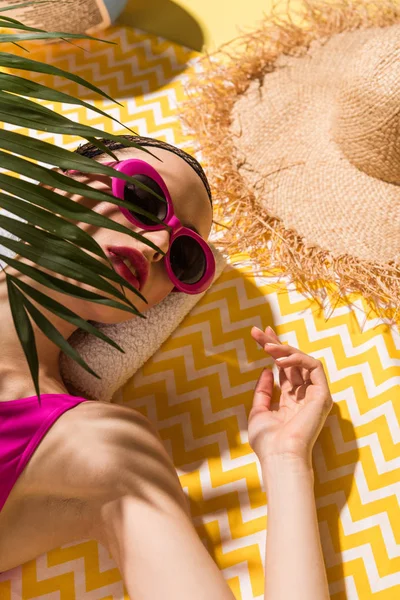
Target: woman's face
x=191, y=206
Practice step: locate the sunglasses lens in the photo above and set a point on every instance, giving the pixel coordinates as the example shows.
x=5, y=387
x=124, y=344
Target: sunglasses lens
x=188, y=261
x=143, y=199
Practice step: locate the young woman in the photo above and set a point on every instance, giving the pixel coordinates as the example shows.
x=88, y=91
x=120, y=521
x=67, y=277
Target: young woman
x=76, y=469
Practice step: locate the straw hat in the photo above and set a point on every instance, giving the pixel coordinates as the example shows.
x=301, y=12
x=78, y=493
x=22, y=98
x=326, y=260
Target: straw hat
x=301, y=134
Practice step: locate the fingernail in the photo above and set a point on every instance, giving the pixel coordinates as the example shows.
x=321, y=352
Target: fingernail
x=270, y=344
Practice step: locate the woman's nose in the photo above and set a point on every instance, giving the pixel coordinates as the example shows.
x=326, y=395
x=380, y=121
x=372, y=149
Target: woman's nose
x=159, y=238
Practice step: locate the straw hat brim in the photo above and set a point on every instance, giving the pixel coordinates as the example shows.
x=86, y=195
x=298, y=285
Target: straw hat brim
x=263, y=221
x=289, y=158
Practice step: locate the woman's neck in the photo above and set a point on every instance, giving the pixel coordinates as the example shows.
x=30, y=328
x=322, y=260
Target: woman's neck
x=15, y=384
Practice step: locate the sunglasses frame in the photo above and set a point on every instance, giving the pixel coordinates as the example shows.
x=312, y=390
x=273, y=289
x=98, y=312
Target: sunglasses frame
x=134, y=167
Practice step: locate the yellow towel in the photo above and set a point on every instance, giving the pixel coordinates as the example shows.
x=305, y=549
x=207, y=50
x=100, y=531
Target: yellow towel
x=197, y=389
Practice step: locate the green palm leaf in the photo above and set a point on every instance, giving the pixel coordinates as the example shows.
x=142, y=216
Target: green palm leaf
x=24, y=330
x=9, y=22
x=40, y=35
x=14, y=6
x=62, y=265
x=65, y=287
x=25, y=113
x=50, y=245
x=45, y=152
x=59, y=181
x=52, y=333
x=48, y=239
x=64, y=206
x=12, y=61
x=50, y=222
x=25, y=87
x=63, y=312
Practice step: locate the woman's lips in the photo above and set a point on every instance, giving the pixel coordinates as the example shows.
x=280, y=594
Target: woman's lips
x=121, y=268
x=118, y=253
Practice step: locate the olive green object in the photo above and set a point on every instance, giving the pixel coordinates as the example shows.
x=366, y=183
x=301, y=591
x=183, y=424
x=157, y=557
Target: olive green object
x=166, y=19
x=37, y=226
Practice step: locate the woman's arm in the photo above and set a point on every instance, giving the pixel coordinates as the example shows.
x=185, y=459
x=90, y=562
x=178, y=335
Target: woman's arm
x=283, y=438
x=155, y=544
x=294, y=564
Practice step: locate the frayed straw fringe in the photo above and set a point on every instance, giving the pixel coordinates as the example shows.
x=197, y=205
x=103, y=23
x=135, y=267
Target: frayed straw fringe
x=212, y=91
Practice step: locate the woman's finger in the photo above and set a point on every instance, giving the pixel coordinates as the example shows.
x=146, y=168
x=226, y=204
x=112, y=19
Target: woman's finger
x=259, y=336
x=284, y=382
x=282, y=349
x=293, y=374
x=264, y=389
x=270, y=331
x=313, y=365
x=300, y=374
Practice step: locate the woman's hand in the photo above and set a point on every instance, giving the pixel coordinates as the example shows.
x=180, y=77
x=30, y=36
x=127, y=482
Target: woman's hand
x=305, y=402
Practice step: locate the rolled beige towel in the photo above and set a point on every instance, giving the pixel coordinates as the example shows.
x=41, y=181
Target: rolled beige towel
x=140, y=339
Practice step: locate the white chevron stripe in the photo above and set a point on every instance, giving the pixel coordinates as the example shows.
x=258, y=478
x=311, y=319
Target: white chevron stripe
x=332, y=558
x=273, y=302
x=77, y=566
x=359, y=419
x=372, y=440
x=95, y=55
x=101, y=77
x=351, y=526
x=366, y=495
x=192, y=374
x=156, y=107
x=377, y=583
x=168, y=94
x=241, y=572
x=145, y=44
x=335, y=374
x=371, y=323
x=230, y=544
x=346, y=585
x=364, y=369
x=342, y=331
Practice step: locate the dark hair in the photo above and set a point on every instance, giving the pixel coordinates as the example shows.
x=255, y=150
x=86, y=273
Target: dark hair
x=91, y=151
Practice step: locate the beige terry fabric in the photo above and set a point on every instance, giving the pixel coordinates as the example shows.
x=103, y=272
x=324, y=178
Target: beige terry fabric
x=140, y=339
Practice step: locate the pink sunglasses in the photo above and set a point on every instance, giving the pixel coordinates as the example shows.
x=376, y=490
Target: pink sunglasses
x=189, y=261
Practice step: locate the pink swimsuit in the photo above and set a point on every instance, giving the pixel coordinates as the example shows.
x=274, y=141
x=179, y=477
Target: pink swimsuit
x=23, y=424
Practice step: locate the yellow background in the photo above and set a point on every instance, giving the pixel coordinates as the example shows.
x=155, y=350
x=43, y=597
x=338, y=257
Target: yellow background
x=219, y=21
